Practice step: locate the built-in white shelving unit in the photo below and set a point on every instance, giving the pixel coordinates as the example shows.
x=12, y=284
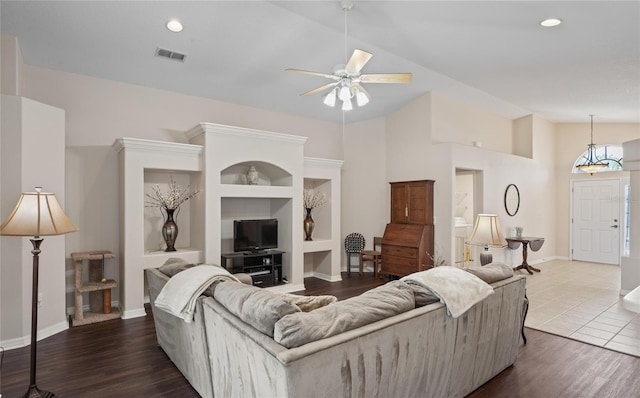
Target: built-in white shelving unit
x=229, y=152
x=216, y=163
x=144, y=163
x=322, y=254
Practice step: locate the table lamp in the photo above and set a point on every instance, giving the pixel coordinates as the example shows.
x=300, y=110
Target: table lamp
x=486, y=232
x=36, y=214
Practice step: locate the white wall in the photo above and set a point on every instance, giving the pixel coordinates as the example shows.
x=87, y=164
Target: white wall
x=33, y=155
x=365, y=191
x=457, y=122
x=414, y=153
x=11, y=65
x=408, y=142
x=571, y=141
x=537, y=211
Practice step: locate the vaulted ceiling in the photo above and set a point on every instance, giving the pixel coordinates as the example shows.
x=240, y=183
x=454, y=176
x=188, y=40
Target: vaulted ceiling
x=492, y=54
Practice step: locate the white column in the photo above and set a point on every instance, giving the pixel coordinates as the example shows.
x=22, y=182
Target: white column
x=630, y=264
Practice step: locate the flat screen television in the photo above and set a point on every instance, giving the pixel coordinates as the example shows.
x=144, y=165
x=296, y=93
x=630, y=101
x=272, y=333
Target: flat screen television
x=255, y=235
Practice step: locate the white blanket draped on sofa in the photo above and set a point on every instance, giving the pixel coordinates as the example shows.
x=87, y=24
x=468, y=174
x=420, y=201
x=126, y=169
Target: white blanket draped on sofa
x=178, y=296
x=459, y=290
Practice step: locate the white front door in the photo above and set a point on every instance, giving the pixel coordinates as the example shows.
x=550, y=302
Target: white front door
x=596, y=221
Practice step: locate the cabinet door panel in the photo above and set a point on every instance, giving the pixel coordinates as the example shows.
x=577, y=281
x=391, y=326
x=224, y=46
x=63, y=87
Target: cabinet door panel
x=420, y=199
x=399, y=203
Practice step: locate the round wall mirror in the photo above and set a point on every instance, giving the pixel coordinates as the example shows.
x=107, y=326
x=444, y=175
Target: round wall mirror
x=511, y=199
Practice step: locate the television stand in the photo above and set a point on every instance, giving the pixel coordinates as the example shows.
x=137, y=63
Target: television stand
x=265, y=267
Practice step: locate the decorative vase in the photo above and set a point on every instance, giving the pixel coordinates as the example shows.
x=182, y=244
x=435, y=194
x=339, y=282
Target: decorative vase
x=252, y=176
x=170, y=231
x=519, y=232
x=309, y=224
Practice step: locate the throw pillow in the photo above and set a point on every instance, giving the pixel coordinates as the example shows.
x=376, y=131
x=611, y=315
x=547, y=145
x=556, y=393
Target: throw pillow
x=309, y=303
x=492, y=272
x=174, y=265
x=385, y=301
x=258, y=307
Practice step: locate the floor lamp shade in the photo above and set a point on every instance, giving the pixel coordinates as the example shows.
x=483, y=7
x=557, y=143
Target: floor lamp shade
x=487, y=232
x=36, y=214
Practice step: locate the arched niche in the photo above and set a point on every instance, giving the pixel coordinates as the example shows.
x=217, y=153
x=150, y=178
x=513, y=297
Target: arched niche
x=268, y=174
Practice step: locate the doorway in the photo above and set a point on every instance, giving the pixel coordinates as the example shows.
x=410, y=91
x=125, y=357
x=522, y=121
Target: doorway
x=466, y=203
x=595, y=221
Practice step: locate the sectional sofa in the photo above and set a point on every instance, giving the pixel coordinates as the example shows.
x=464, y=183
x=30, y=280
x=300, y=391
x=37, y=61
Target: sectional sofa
x=418, y=352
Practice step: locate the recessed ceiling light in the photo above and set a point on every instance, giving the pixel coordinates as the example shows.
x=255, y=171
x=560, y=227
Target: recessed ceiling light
x=551, y=22
x=174, y=25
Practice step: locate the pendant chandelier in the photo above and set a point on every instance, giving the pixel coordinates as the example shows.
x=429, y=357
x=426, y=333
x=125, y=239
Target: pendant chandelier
x=592, y=165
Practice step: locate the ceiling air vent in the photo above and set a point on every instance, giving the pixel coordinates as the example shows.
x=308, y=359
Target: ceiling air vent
x=161, y=52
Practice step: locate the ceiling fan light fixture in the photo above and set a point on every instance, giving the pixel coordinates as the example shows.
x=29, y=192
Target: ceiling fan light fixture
x=347, y=105
x=330, y=99
x=345, y=93
x=347, y=78
x=362, y=98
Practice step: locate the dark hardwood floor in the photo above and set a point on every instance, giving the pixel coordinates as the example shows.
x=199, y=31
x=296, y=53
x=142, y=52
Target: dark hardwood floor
x=120, y=358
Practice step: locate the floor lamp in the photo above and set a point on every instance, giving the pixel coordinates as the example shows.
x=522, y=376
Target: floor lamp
x=486, y=232
x=36, y=214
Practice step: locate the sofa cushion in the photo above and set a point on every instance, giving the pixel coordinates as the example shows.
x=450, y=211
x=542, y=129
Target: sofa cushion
x=174, y=265
x=258, y=307
x=300, y=328
x=492, y=272
x=308, y=303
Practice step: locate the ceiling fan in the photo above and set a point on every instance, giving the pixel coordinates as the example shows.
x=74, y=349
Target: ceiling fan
x=347, y=78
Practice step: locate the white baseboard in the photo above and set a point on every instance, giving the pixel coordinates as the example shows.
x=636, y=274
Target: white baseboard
x=547, y=259
x=14, y=343
x=324, y=277
x=24, y=341
x=136, y=313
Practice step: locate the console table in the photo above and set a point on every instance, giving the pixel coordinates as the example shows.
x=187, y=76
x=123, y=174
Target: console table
x=265, y=268
x=534, y=243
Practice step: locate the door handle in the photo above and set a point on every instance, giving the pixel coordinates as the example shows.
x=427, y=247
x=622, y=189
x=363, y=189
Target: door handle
x=614, y=226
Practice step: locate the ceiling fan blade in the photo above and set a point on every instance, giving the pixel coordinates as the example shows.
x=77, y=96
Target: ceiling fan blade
x=309, y=72
x=321, y=88
x=386, y=78
x=357, y=61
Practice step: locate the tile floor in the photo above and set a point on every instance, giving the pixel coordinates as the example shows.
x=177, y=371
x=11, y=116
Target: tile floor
x=581, y=301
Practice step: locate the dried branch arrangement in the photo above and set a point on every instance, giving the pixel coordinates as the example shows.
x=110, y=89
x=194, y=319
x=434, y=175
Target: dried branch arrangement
x=170, y=200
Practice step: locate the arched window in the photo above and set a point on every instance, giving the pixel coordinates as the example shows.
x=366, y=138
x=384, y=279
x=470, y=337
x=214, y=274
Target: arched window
x=610, y=154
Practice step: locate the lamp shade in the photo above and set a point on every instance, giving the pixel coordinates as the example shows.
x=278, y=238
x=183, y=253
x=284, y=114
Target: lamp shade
x=487, y=232
x=37, y=214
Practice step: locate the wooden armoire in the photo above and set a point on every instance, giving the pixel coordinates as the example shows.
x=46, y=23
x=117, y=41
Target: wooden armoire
x=409, y=236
